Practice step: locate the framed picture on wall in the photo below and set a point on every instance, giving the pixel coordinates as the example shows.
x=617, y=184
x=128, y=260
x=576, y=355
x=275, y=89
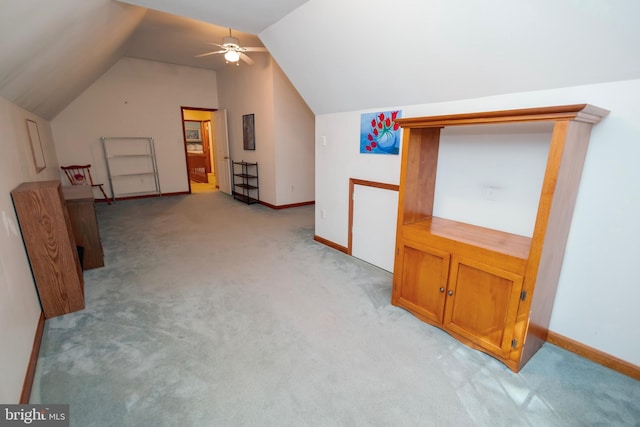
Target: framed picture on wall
x=192, y=132
x=379, y=132
x=248, y=132
x=36, y=145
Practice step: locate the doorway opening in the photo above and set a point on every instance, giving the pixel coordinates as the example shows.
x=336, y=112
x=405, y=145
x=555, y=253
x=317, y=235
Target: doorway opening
x=199, y=142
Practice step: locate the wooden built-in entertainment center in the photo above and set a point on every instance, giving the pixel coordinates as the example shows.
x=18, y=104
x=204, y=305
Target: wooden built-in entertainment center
x=490, y=289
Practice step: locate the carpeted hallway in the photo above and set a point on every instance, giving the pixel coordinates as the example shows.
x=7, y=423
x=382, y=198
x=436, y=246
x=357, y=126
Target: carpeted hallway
x=210, y=312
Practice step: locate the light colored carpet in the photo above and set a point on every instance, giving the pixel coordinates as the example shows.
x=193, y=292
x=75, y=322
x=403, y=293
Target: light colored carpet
x=210, y=312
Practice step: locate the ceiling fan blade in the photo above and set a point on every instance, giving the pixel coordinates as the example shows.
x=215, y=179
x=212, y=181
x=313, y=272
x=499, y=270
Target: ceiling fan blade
x=210, y=53
x=255, y=49
x=246, y=59
x=216, y=44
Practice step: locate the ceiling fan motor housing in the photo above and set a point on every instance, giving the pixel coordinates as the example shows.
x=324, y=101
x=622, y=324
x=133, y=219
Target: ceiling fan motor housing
x=231, y=42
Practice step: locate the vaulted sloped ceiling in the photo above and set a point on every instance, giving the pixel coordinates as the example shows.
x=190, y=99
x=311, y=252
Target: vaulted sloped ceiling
x=250, y=16
x=340, y=55
x=358, y=54
x=51, y=51
x=178, y=40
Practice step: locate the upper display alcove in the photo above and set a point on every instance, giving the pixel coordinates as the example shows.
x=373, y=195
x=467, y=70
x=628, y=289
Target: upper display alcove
x=489, y=288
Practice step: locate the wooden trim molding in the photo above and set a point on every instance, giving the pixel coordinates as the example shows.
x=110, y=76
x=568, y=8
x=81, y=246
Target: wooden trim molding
x=147, y=196
x=33, y=361
x=383, y=185
x=177, y=193
x=292, y=205
x=186, y=193
x=594, y=355
x=352, y=183
x=578, y=112
x=330, y=244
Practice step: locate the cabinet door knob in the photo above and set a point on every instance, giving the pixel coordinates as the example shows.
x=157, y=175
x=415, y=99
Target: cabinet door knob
x=442, y=290
x=450, y=293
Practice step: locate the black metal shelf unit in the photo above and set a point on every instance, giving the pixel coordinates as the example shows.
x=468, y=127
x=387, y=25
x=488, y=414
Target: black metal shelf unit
x=245, y=182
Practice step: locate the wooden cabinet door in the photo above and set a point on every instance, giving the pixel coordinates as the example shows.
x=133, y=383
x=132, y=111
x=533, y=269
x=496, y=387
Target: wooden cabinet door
x=482, y=304
x=423, y=282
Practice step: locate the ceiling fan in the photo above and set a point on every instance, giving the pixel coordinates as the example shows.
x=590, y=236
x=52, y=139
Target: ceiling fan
x=232, y=50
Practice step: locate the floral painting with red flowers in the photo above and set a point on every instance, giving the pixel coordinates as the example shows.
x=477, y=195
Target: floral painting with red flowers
x=379, y=133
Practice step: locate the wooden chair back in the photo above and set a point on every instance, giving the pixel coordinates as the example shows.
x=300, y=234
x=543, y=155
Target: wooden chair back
x=78, y=174
x=81, y=175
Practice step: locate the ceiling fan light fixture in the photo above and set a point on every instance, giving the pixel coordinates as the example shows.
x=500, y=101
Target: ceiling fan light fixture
x=232, y=56
x=232, y=51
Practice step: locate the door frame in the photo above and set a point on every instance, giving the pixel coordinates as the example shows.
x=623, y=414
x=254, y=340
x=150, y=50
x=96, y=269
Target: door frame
x=184, y=141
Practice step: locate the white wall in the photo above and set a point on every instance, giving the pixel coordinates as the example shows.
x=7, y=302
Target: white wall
x=248, y=89
x=339, y=160
x=598, y=289
x=283, y=129
x=19, y=305
x=492, y=177
x=135, y=98
x=294, y=148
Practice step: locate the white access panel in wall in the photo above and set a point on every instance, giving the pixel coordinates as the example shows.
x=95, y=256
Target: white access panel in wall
x=375, y=211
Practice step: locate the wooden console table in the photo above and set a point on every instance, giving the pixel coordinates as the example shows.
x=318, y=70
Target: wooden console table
x=82, y=213
x=51, y=247
x=54, y=222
